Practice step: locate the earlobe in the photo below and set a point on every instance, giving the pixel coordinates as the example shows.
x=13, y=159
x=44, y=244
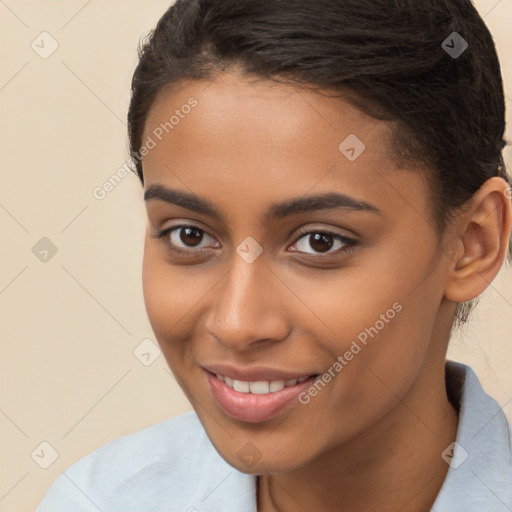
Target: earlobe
x=477, y=253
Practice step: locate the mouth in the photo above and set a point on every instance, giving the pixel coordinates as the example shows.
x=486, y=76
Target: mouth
x=256, y=401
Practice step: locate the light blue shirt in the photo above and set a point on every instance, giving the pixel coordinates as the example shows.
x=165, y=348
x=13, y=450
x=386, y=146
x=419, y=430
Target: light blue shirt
x=173, y=467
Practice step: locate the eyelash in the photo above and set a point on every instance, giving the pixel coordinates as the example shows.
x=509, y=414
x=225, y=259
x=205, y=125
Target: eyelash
x=348, y=243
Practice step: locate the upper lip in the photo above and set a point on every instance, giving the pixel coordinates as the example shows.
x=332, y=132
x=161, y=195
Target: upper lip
x=255, y=373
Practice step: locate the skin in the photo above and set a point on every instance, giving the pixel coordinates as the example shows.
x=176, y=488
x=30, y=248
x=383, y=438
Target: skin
x=373, y=437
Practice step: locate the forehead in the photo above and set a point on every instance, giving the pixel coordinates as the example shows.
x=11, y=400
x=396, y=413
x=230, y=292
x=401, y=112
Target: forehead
x=286, y=120
x=257, y=141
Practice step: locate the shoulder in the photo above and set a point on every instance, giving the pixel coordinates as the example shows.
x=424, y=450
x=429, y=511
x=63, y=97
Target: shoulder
x=173, y=440
x=147, y=470
x=170, y=440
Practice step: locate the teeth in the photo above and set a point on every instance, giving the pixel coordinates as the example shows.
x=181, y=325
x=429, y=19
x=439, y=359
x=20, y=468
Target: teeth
x=259, y=388
x=262, y=387
x=276, y=385
x=240, y=385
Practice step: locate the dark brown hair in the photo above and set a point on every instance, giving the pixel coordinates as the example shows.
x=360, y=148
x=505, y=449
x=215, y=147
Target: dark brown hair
x=387, y=57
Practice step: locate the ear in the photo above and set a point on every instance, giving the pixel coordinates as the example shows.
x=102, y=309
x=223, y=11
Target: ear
x=480, y=246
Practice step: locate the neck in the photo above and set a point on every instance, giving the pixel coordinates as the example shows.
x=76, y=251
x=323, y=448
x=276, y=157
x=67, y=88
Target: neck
x=394, y=465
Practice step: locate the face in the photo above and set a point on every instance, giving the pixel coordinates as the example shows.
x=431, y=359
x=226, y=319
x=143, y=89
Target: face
x=284, y=258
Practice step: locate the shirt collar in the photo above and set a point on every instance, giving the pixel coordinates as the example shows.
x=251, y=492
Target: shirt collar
x=480, y=474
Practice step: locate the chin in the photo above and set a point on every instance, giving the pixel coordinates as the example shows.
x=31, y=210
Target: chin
x=268, y=468
x=251, y=461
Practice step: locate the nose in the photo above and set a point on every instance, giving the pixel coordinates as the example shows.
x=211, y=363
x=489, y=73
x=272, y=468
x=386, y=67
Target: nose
x=248, y=306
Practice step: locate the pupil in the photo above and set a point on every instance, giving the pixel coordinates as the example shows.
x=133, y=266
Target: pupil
x=192, y=239
x=321, y=242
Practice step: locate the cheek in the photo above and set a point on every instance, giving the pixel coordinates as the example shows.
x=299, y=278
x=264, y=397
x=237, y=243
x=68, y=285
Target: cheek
x=174, y=296
x=158, y=294
x=379, y=321
x=169, y=303
x=350, y=304
x=167, y=295
x=393, y=333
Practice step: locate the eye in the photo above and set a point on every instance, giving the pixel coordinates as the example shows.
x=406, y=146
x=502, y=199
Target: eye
x=189, y=240
x=186, y=238
x=323, y=242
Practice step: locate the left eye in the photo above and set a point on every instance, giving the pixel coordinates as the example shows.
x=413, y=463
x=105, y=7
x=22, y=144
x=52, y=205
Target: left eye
x=322, y=242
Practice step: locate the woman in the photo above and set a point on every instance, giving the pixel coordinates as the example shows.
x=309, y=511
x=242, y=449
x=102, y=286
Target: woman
x=326, y=197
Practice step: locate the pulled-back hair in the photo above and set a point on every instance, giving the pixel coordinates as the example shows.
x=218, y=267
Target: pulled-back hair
x=386, y=57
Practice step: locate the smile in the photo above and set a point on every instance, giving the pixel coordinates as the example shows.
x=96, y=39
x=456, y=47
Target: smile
x=261, y=387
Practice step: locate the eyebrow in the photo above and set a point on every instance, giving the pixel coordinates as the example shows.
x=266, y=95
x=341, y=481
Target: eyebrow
x=298, y=205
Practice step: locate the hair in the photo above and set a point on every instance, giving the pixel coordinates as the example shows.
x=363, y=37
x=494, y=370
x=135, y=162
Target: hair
x=385, y=57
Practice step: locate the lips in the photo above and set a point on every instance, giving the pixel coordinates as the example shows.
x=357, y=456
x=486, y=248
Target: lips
x=246, y=395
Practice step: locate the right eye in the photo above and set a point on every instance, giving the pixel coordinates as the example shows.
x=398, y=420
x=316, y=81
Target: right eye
x=185, y=238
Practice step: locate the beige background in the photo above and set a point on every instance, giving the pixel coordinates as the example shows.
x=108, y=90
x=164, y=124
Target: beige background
x=70, y=325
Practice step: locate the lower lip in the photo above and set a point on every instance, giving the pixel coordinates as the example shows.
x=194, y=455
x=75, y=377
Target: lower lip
x=253, y=408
